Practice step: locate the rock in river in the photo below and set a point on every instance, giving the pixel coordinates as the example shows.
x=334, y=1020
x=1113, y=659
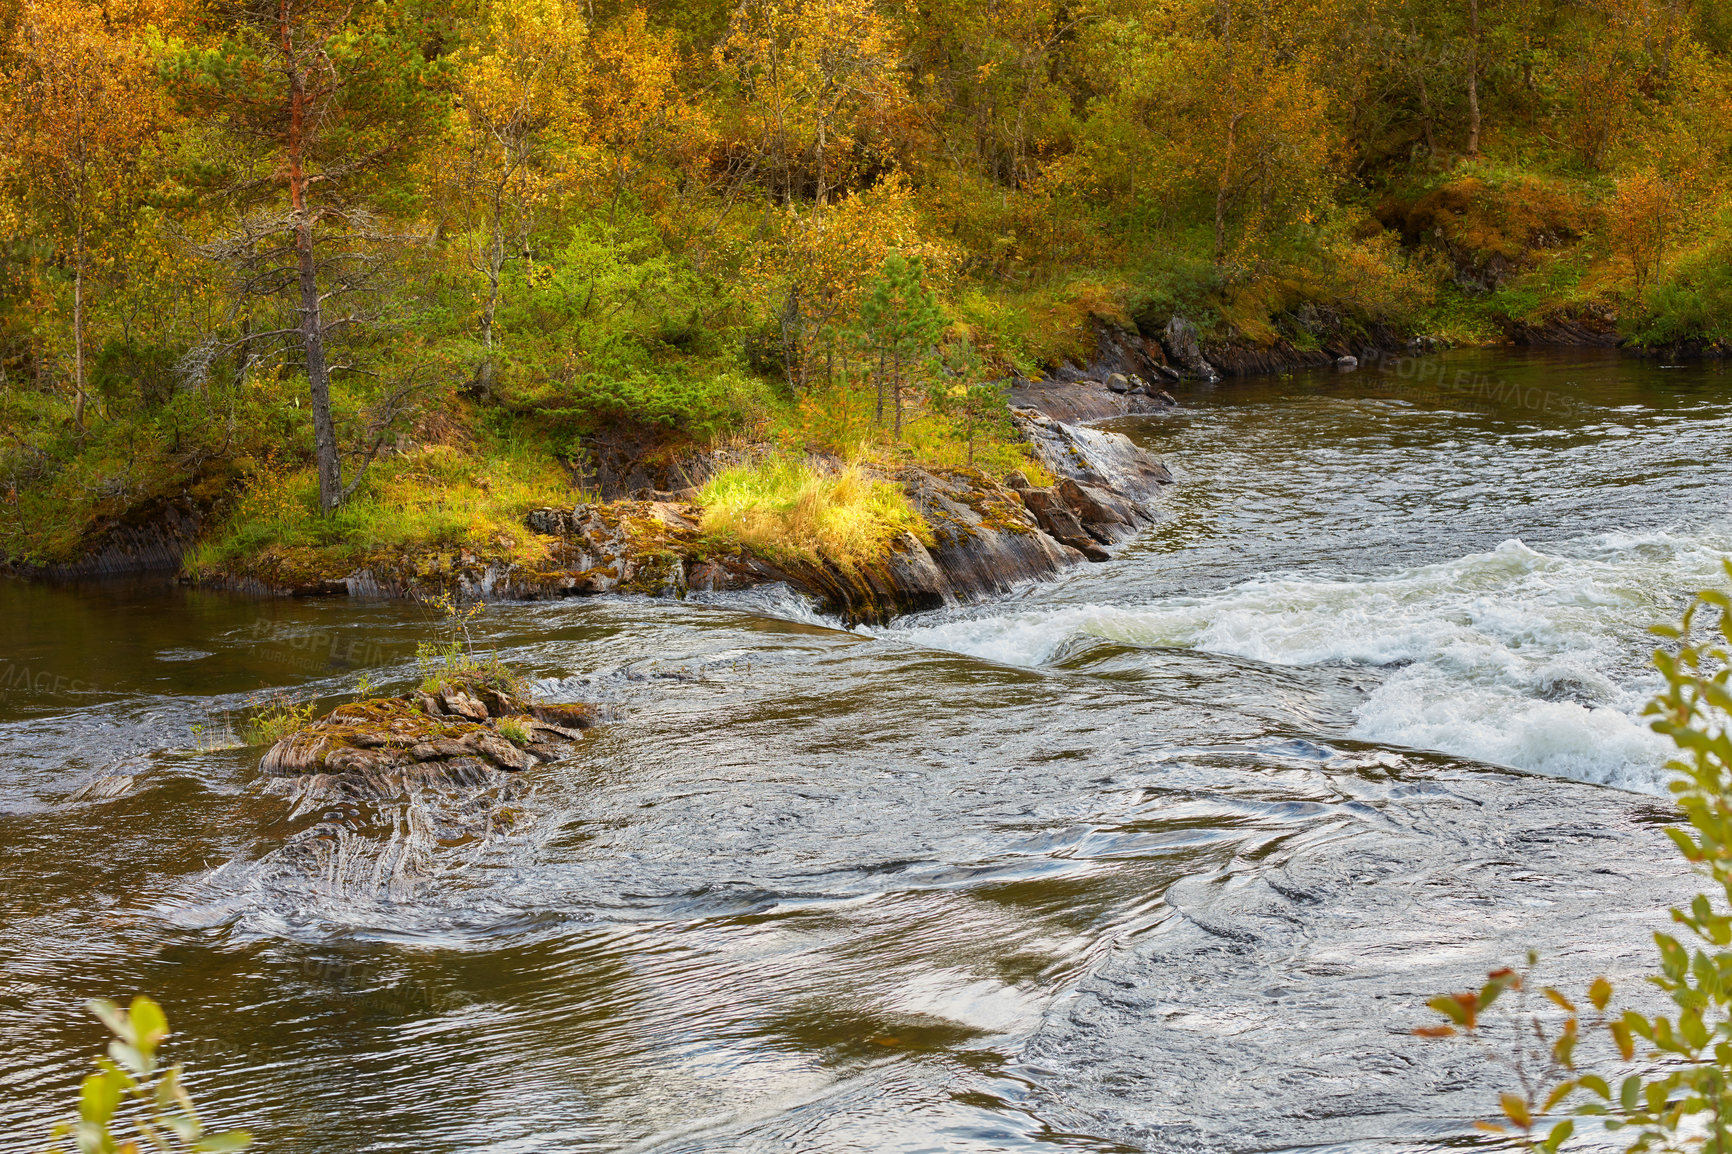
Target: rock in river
x=466, y=729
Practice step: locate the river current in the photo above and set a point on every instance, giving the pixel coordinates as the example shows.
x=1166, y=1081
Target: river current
x=1166, y=855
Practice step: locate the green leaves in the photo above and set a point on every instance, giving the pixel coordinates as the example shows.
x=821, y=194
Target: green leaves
x=1695, y=710
x=126, y=1085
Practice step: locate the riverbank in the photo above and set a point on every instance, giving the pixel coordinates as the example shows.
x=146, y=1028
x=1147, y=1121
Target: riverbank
x=971, y=535
x=473, y=516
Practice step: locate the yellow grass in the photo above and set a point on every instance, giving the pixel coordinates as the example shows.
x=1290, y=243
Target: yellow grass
x=789, y=508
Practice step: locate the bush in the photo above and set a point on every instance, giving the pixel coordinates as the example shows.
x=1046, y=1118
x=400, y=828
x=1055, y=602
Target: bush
x=1686, y=1097
x=274, y=716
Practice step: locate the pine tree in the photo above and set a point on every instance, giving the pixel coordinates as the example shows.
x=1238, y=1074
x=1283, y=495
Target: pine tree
x=320, y=99
x=902, y=321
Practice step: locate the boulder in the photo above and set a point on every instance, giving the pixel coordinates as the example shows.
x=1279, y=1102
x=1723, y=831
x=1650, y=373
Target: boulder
x=1106, y=515
x=1103, y=459
x=1179, y=338
x=1060, y=521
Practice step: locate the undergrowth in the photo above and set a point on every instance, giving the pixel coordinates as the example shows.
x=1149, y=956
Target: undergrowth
x=435, y=496
x=452, y=656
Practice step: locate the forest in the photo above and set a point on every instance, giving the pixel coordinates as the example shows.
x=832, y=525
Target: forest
x=363, y=275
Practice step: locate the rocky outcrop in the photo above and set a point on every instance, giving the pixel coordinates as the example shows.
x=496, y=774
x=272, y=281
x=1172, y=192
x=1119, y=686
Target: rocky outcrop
x=1095, y=457
x=1179, y=338
x=462, y=734
x=987, y=537
x=151, y=539
x=1070, y=396
x=1126, y=377
x=1584, y=327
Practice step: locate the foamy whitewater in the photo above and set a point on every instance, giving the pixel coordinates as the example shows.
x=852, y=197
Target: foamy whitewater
x=1517, y=656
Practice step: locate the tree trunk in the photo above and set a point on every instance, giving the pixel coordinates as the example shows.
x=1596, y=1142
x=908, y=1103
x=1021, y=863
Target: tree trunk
x=495, y=269
x=896, y=386
x=820, y=159
x=1425, y=112
x=1223, y=186
x=312, y=321
x=878, y=420
x=1473, y=78
x=78, y=326
x=1221, y=191
x=318, y=376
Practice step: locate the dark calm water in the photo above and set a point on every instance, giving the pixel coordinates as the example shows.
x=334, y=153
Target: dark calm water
x=1163, y=856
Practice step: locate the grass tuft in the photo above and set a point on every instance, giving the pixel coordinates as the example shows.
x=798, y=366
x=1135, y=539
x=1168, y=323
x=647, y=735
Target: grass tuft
x=790, y=509
x=274, y=716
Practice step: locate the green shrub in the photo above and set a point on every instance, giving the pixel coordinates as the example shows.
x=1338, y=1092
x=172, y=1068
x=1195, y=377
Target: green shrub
x=130, y=1092
x=1684, y=1102
x=451, y=655
x=274, y=716
x=514, y=731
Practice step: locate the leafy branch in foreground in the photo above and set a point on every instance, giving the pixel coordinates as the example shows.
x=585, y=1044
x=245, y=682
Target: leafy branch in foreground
x=1682, y=1099
x=130, y=1088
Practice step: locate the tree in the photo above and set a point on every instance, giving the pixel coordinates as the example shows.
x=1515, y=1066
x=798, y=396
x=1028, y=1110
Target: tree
x=320, y=99
x=1640, y=220
x=76, y=109
x=902, y=321
x=1473, y=41
x=819, y=262
x=974, y=406
x=811, y=69
x=517, y=85
x=636, y=110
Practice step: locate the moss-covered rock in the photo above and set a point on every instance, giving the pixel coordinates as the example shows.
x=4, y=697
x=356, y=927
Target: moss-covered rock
x=462, y=730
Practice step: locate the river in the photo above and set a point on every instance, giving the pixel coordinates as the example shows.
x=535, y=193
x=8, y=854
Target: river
x=1166, y=855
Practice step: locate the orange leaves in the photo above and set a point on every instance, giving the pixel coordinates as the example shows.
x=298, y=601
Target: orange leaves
x=1464, y=1008
x=1640, y=220
x=1515, y=1108
x=79, y=101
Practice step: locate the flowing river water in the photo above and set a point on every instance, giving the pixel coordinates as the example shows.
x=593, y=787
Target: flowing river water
x=1164, y=856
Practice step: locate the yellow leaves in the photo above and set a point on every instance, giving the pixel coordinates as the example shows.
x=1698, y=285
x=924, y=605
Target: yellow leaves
x=633, y=97
x=831, y=252
x=522, y=72
x=78, y=102
x=1516, y=1109
x=812, y=70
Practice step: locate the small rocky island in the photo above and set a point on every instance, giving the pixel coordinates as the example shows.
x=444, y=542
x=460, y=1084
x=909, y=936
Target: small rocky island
x=460, y=731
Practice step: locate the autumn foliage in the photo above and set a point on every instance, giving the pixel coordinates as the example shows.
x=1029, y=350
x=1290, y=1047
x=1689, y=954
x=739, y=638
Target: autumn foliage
x=242, y=240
